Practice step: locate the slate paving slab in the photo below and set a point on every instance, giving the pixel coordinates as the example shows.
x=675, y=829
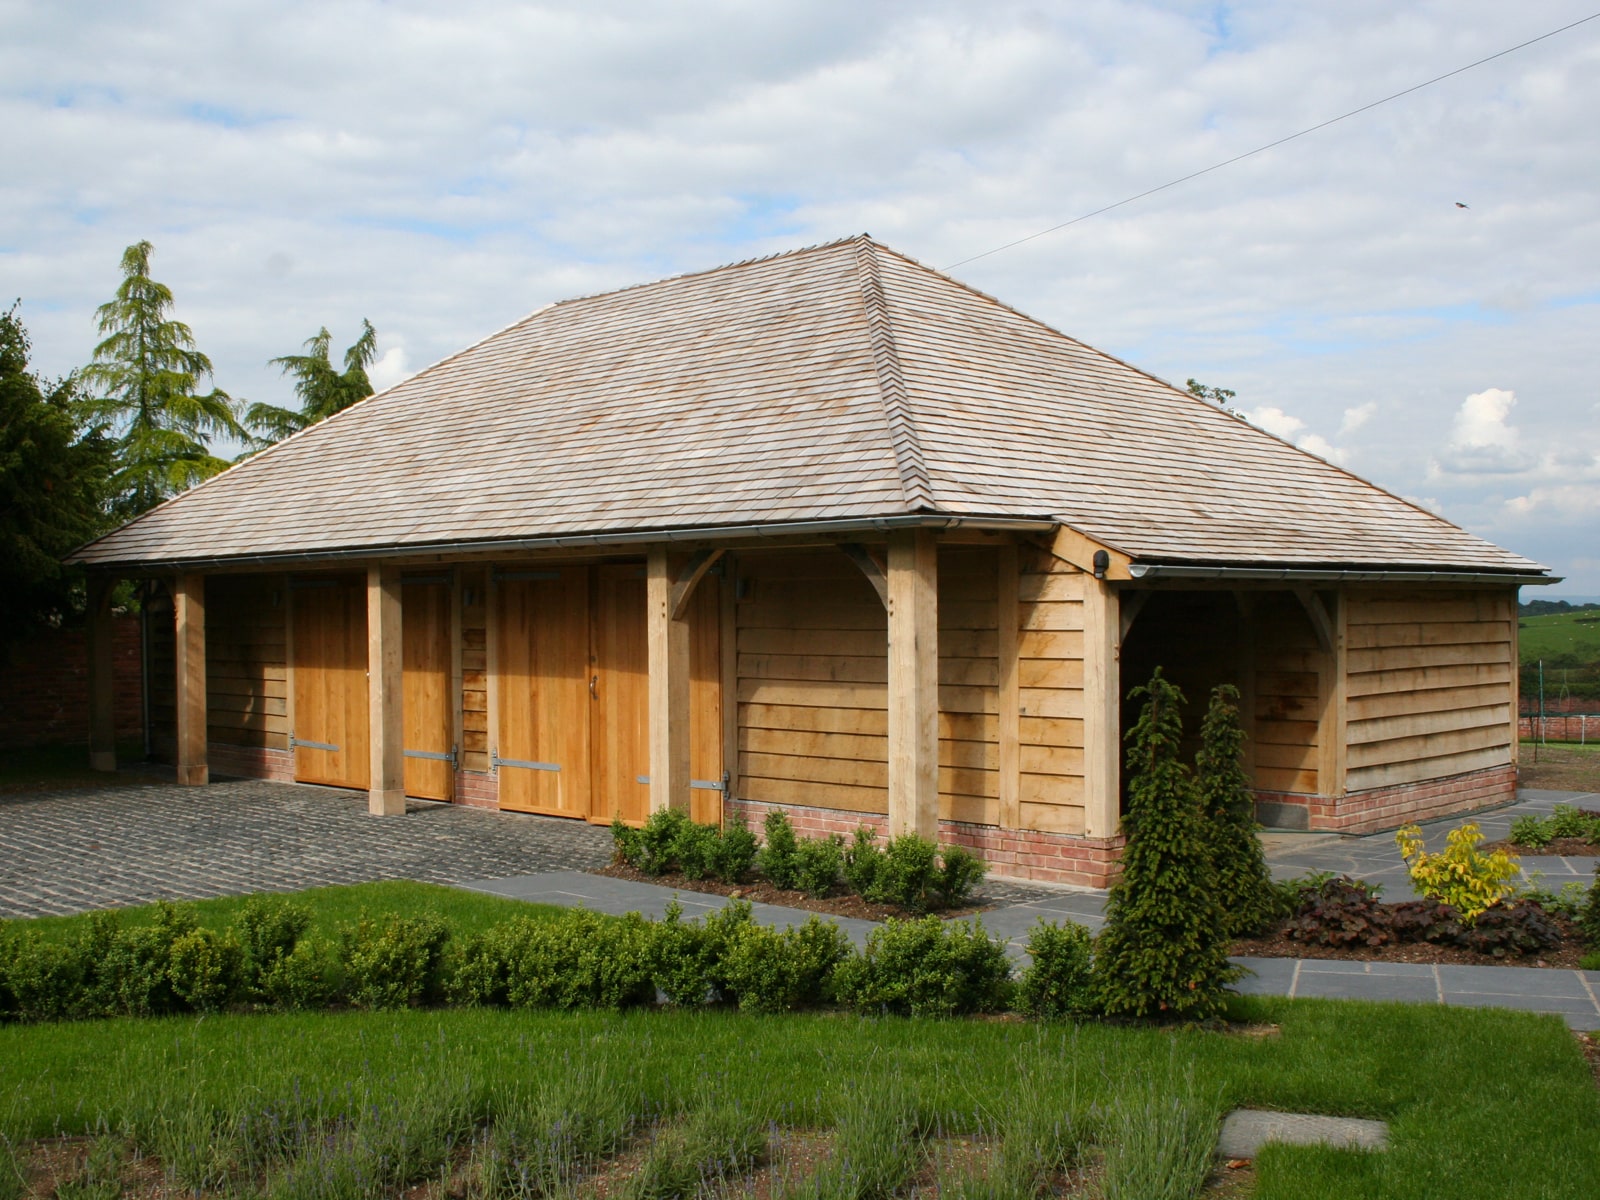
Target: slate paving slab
x=1246, y=1130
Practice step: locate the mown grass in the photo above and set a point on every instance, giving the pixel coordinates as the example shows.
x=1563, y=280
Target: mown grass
x=330, y=907
x=1555, y=635
x=1481, y=1103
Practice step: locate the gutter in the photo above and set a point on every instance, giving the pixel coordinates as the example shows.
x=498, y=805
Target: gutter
x=845, y=525
x=1158, y=571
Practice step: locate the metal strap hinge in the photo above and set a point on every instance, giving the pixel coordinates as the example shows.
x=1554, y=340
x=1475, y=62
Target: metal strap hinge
x=310, y=745
x=434, y=755
x=710, y=785
x=524, y=763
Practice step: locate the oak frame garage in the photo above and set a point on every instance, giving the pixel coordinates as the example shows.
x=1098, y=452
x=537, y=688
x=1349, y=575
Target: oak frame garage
x=827, y=532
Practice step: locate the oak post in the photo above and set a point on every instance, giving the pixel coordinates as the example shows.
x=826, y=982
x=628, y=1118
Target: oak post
x=386, y=794
x=189, y=612
x=914, y=683
x=1333, y=728
x=1102, y=708
x=669, y=689
x=102, y=677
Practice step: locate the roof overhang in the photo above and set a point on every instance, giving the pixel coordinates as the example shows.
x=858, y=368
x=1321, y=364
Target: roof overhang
x=842, y=527
x=1156, y=572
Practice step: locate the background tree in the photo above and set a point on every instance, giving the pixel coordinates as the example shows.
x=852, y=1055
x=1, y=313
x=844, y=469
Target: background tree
x=1221, y=397
x=144, y=386
x=323, y=389
x=1163, y=951
x=53, y=478
x=1244, y=884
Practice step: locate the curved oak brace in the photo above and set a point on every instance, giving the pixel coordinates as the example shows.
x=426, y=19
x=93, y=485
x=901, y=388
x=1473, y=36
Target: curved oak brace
x=1320, y=620
x=689, y=578
x=1128, y=612
x=870, y=567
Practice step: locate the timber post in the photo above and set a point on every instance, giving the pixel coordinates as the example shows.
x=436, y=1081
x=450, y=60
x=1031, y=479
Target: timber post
x=668, y=636
x=1333, y=727
x=913, y=683
x=1102, y=708
x=102, y=680
x=386, y=794
x=189, y=614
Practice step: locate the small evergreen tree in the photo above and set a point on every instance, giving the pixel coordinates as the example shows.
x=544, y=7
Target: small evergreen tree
x=1244, y=885
x=1163, y=952
x=144, y=385
x=321, y=387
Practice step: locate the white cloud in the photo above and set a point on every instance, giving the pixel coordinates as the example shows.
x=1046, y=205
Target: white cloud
x=443, y=171
x=1275, y=421
x=1482, y=441
x=390, y=369
x=1355, y=418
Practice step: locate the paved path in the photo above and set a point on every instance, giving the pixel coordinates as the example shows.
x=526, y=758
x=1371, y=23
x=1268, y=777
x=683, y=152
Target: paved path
x=65, y=852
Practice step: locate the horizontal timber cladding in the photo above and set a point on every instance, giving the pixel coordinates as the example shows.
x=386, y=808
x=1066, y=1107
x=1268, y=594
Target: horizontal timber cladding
x=1050, y=700
x=1431, y=686
x=473, y=583
x=1292, y=677
x=812, y=670
x=247, y=664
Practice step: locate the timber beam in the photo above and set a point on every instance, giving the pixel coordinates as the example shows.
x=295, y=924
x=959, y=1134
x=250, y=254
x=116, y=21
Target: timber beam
x=668, y=637
x=386, y=784
x=689, y=578
x=913, y=586
x=189, y=613
x=102, y=681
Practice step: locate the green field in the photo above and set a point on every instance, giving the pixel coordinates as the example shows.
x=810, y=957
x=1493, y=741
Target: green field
x=1559, y=636
x=1568, y=644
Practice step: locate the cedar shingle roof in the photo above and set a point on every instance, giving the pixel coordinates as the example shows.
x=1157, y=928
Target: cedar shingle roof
x=842, y=381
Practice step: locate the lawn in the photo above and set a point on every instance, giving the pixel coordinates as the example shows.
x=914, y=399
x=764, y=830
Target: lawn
x=330, y=907
x=343, y=1105
x=1481, y=1103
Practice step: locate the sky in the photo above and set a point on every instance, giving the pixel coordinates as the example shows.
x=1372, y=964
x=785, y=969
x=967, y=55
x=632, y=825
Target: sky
x=443, y=170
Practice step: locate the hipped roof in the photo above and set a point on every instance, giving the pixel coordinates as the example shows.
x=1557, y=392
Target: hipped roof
x=840, y=382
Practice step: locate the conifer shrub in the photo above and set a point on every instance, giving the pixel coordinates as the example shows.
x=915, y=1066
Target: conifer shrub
x=1163, y=951
x=1058, y=981
x=777, y=858
x=1589, y=916
x=1244, y=884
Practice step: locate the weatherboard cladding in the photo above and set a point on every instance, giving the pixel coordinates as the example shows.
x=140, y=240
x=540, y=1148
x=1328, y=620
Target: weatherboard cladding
x=843, y=381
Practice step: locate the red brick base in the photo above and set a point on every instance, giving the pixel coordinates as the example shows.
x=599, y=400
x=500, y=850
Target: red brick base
x=477, y=789
x=251, y=762
x=1010, y=853
x=1388, y=808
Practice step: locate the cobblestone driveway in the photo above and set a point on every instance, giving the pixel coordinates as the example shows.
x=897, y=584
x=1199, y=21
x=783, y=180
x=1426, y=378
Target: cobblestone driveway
x=64, y=852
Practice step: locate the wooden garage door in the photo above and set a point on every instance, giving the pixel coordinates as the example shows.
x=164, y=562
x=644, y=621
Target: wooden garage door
x=621, y=696
x=429, y=730
x=542, y=663
x=329, y=656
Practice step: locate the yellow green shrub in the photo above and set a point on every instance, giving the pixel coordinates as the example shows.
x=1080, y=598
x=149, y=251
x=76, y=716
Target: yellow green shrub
x=1462, y=876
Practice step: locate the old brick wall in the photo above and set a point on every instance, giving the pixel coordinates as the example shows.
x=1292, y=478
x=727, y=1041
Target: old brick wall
x=44, y=687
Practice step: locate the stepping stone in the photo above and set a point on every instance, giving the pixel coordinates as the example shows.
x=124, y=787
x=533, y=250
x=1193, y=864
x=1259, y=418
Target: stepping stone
x=1246, y=1130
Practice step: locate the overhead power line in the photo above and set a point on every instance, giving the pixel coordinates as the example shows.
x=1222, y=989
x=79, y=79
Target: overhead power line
x=1228, y=162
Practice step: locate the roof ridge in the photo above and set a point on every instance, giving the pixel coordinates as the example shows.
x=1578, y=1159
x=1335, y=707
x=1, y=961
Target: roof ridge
x=720, y=267
x=915, y=483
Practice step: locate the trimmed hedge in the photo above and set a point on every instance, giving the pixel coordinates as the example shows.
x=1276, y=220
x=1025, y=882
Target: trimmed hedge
x=578, y=960
x=908, y=871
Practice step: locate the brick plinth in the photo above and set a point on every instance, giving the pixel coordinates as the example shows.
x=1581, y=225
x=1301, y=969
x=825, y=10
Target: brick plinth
x=477, y=789
x=1386, y=808
x=1010, y=853
x=251, y=762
